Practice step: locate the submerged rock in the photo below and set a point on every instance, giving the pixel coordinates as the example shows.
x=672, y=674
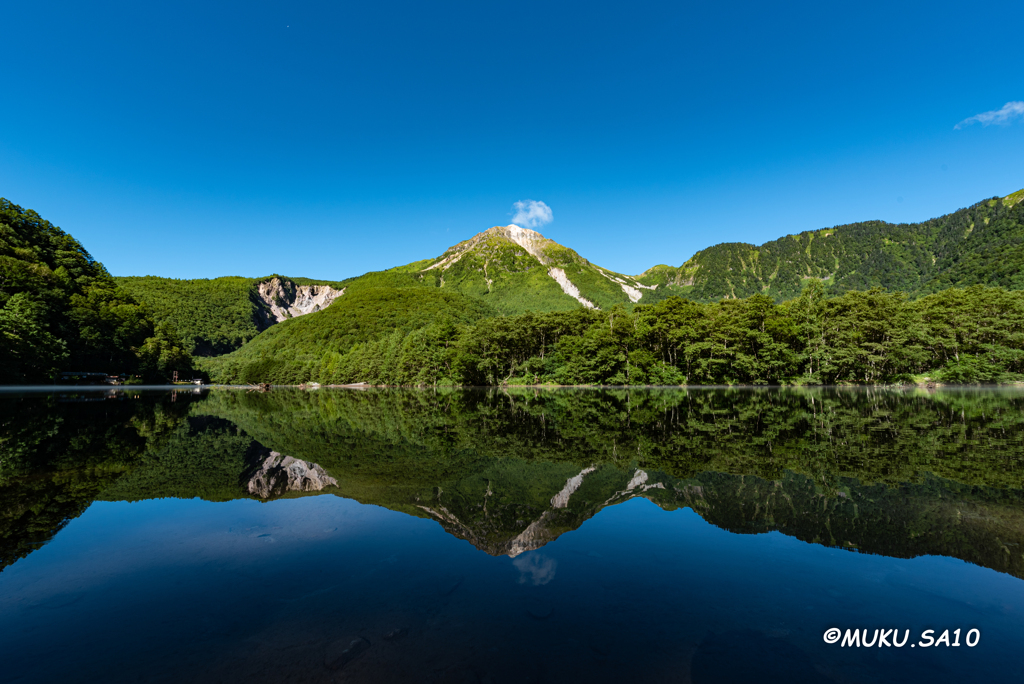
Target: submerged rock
x=279, y=474
x=344, y=651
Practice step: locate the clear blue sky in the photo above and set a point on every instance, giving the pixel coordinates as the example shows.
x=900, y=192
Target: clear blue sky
x=326, y=139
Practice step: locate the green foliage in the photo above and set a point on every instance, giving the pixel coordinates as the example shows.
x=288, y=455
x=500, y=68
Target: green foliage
x=61, y=310
x=214, y=316
x=201, y=457
x=980, y=245
x=366, y=323
x=418, y=337
x=211, y=316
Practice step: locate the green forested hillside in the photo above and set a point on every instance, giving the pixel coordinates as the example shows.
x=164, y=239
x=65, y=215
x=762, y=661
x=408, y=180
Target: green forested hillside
x=61, y=311
x=302, y=349
x=979, y=245
x=219, y=315
x=428, y=337
x=509, y=268
x=211, y=316
x=552, y=316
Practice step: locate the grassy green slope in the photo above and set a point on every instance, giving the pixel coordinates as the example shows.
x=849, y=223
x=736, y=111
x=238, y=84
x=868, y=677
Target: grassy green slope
x=509, y=278
x=502, y=274
x=980, y=245
x=288, y=351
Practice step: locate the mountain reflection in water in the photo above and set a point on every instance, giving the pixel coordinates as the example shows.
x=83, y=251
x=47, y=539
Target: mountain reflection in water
x=899, y=474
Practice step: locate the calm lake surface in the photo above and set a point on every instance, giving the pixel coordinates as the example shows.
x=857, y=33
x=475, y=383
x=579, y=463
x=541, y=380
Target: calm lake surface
x=519, y=536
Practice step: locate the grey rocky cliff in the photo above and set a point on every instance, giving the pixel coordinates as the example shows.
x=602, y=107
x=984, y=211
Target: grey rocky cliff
x=281, y=299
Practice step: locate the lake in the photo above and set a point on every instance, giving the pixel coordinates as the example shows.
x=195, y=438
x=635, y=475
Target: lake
x=662, y=535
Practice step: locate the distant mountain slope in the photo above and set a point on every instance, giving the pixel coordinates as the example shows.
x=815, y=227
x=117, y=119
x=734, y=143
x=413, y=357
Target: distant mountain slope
x=219, y=315
x=514, y=270
x=980, y=245
x=510, y=269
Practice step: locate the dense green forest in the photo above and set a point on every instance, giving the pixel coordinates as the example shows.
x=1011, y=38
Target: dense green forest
x=980, y=245
x=427, y=337
x=294, y=348
x=211, y=316
x=61, y=311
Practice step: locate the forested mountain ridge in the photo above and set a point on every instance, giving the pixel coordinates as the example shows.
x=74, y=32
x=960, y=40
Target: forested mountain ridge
x=336, y=341
x=513, y=270
x=218, y=315
x=979, y=245
x=509, y=305
x=435, y=337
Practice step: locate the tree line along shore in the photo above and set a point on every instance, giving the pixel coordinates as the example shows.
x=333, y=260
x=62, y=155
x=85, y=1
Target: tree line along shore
x=972, y=335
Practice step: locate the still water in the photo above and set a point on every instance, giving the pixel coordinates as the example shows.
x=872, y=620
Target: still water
x=520, y=536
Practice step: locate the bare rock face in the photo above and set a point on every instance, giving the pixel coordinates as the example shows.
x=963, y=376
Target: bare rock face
x=282, y=299
x=344, y=651
x=280, y=474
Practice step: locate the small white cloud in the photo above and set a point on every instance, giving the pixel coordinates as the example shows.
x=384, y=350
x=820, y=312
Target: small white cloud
x=531, y=214
x=1009, y=112
x=535, y=569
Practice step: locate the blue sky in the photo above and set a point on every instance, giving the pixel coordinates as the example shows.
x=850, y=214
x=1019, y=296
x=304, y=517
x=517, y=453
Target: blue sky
x=324, y=140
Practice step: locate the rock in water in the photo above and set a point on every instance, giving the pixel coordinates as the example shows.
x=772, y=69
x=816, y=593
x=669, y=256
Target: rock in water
x=396, y=634
x=344, y=651
x=279, y=474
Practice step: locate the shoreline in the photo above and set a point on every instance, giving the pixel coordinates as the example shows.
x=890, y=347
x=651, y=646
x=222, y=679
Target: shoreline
x=193, y=389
